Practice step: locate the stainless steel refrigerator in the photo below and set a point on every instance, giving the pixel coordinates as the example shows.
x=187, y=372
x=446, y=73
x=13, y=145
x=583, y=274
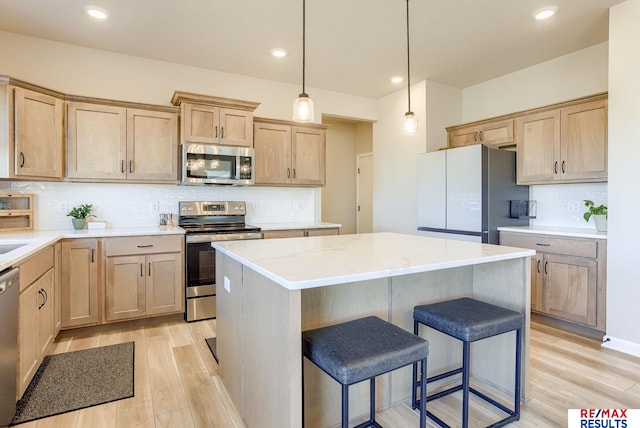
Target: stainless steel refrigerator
x=464, y=193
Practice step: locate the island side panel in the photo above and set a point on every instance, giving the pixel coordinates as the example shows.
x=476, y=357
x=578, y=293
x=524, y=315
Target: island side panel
x=331, y=305
x=408, y=291
x=272, y=382
x=229, y=326
x=507, y=284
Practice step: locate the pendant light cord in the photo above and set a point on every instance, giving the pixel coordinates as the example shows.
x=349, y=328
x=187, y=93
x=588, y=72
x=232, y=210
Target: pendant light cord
x=408, y=64
x=304, y=43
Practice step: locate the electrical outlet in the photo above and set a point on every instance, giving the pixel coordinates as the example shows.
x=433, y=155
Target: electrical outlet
x=63, y=207
x=155, y=206
x=227, y=284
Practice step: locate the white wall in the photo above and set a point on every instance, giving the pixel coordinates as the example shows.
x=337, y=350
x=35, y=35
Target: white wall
x=444, y=108
x=577, y=74
x=89, y=72
x=623, y=292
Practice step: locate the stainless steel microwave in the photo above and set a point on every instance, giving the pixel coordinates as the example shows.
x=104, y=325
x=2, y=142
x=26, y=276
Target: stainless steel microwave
x=213, y=164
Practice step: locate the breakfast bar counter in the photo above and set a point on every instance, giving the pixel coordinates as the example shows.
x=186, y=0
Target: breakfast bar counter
x=269, y=291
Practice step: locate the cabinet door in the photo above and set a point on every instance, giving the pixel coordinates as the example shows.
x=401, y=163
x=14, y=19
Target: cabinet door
x=499, y=133
x=96, y=141
x=465, y=136
x=164, y=289
x=39, y=141
x=46, y=320
x=28, y=336
x=152, y=145
x=57, y=281
x=200, y=123
x=236, y=127
x=308, y=156
x=538, y=147
x=570, y=288
x=124, y=287
x=584, y=142
x=536, y=283
x=79, y=290
x=272, y=145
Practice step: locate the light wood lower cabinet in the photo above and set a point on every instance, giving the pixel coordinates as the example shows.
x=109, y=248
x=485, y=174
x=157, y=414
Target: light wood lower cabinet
x=300, y=233
x=568, y=276
x=80, y=282
x=36, y=309
x=144, y=276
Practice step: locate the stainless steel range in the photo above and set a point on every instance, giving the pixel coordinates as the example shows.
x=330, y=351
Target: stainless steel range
x=206, y=222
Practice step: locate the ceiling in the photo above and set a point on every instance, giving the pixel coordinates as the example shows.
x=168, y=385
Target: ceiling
x=353, y=46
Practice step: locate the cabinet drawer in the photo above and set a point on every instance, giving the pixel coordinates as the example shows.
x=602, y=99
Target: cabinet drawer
x=34, y=267
x=549, y=244
x=131, y=245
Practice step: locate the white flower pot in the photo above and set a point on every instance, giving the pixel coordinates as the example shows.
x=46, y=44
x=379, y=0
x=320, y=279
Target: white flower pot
x=601, y=222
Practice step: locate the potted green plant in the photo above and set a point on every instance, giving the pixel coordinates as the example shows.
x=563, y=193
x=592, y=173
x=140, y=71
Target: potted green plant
x=80, y=214
x=599, y=214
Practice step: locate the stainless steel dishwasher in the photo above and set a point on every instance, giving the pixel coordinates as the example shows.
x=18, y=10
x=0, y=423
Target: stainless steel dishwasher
x=9, y=287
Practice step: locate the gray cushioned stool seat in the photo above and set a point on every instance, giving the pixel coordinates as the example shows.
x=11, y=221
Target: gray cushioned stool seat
x=356, y=350
x=468, y=319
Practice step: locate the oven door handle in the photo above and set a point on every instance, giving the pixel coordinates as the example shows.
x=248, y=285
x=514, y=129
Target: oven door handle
x=214, y=237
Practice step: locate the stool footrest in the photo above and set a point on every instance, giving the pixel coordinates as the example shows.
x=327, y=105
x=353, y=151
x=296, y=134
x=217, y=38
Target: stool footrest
x=369, y=424
x=444, y=375
x=492, y=401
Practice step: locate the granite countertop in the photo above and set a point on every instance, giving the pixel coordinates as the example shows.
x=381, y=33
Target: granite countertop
x=37, y=240
x=296, y=225
x=299, y=263
x=574, y=232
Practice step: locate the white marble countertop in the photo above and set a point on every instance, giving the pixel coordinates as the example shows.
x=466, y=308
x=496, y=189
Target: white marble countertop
x=296, y=225
x=299, y=263
x=37, y=240
x=557, y=231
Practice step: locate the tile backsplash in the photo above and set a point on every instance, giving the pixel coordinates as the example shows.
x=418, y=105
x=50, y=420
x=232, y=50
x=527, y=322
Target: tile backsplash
x=140, y=205
x=562, y=205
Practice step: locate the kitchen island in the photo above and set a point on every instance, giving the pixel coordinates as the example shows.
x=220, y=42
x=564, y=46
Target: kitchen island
x=272, y=290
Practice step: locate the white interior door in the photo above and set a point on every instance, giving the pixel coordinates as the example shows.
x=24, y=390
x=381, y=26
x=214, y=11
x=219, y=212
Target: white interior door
x=364, y=193
x=432, y=190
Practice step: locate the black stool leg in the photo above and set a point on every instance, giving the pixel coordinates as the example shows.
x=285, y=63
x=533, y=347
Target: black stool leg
x=414, y=402
x=345, y=406
x=516, y=405
x=372, y=399
x=423, y=392
x=465, y=384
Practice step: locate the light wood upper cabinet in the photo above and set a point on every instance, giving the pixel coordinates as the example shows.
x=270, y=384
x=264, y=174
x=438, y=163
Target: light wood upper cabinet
x=287, y=154
x=565, y=144
x=108, y=142
x=32, y=132
x=80, y=282
x=493, y=133
x=215, y=120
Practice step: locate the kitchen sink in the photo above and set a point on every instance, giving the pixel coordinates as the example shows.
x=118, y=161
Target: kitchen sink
x=6, y=248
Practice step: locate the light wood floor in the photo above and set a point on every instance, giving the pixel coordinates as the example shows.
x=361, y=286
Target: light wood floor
x=177, y=385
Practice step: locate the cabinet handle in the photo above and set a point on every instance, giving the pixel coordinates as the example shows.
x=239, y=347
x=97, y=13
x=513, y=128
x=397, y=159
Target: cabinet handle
x=41, y=304
x=145, y=246
x=216, y=131
x=93, y=255
x=222, y=133
x=543, y=245
x=538, y=267
x=149, y=268
x=481, y=136
x=288, y=172
x=131, y=166
x=563, y=167
x=141, y=270
x=122, y=166
x=555, y=167
x=21, y=159
x=546, y=272
x=475, y=136
x=46, y=297
x=294, y=173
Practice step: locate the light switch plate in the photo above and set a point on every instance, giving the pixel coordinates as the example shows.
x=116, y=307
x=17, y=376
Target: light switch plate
x=227, y=284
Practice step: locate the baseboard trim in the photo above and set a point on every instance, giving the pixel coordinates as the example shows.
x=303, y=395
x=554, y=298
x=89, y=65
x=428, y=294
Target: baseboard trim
x=621, y=345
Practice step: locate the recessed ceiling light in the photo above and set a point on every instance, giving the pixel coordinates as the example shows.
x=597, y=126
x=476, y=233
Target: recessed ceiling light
x=278, y=52
x=545, y=13
x=397, y=79
x=96, y=12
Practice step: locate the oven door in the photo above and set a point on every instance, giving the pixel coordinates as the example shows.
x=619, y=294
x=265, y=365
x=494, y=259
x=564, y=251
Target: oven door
x=201, y=272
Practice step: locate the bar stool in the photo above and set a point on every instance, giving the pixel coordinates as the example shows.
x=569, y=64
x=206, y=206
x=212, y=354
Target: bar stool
x=362, y=349
x=468, y=320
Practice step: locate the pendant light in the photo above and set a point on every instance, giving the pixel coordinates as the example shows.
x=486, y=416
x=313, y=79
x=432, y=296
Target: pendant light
x=410, y=120
x=303, y=105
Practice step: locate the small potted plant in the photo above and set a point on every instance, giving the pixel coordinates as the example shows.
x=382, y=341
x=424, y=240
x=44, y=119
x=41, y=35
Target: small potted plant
x=80, y=214
x=599, y=214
